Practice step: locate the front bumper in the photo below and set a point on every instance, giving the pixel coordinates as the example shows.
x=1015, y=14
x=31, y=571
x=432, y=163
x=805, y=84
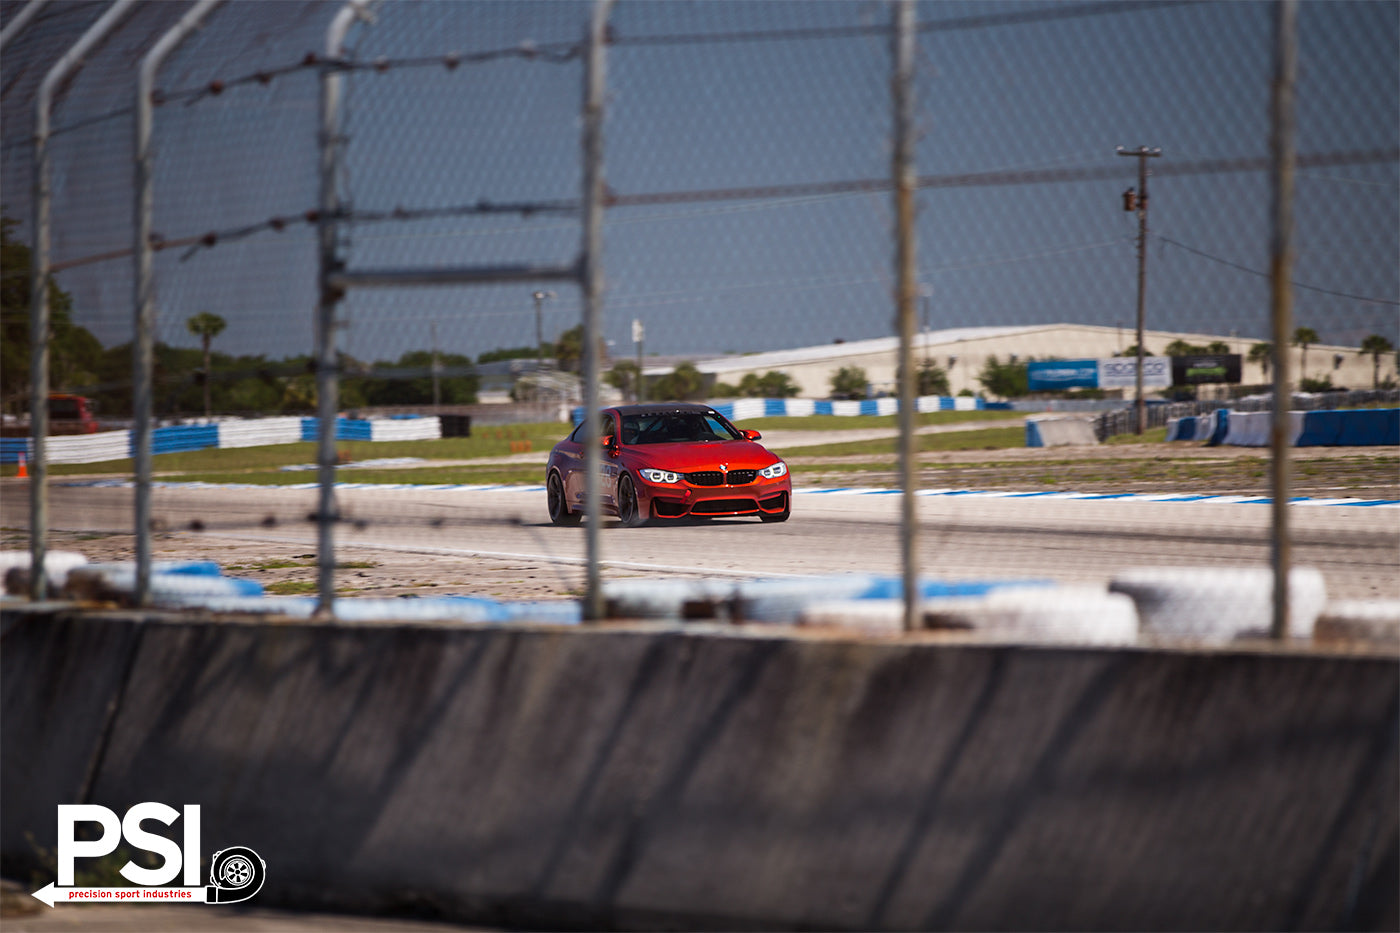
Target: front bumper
x=680, y=500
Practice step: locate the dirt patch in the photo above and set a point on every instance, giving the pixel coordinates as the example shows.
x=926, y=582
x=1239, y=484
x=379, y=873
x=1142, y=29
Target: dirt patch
x=290, y=569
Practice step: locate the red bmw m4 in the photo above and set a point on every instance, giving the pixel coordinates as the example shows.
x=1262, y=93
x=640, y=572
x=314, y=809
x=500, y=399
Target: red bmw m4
x=670, y=460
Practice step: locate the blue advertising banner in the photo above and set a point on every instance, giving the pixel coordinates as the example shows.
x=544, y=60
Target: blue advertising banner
x=1053, y=375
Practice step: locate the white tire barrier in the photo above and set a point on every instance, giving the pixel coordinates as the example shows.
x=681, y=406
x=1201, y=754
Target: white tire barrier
x=1081, y=615
x=260, y=433
x=89, y=448
x=1376, y=621
x=14, y=570
x=1219, y=604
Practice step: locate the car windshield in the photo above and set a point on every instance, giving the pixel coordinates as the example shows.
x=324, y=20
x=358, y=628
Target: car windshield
x=676, y=427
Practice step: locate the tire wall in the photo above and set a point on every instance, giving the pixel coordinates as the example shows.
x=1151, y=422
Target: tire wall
x=649, y=778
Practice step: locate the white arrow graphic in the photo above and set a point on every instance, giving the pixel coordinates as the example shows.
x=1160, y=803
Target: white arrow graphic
x=52, y=894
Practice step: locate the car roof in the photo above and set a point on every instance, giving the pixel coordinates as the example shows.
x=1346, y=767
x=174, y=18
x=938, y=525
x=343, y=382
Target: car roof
x=660, y=408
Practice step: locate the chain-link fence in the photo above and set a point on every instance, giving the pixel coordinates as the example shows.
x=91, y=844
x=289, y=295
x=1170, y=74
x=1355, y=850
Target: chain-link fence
x=749, y=230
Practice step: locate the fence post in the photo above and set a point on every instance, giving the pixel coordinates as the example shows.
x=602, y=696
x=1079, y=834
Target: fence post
x=71, y=61
x=1281, y=146
x=591, y=275
x=327, y=366
x=142, y=346
x=906, y=259
x=21, y=19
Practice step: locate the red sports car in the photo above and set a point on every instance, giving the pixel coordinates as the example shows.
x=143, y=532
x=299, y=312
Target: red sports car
x=670, y=460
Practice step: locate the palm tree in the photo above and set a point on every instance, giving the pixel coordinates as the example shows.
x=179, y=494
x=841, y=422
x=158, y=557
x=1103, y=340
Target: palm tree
x=1263, y=355
x=1376, y=346
x=1304, y=337
x=206, y=326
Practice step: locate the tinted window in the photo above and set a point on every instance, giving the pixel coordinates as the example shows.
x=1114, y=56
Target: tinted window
x=676, y=427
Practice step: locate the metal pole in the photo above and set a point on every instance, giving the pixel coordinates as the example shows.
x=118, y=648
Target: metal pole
x=437, y=392
x=22, y=19
x=591, y=273
x=539, y=297
x=143, y=346
x=1280, y=271
x=639, y=335
x=327, y=381
x=1142, y=153
x=905, y=317
x=39, y=292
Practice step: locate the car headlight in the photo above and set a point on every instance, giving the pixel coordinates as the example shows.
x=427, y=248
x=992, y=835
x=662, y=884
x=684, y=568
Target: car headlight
x=661, y=476
x=774, y=471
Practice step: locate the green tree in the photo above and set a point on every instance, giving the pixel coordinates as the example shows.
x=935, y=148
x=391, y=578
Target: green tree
x=1007, y=380
x=1132, y=352
x=409, y=380
x=933, y=379
x=568, y=350
x=206, y=326
x=1218, y=346
x=1375, y=346
x=1304, y=337
x=1263, y=354
x=75, y=355
x=623, y=377
x=772, y=384
x=849, y=382
x=1182, y=348
x=685, y=383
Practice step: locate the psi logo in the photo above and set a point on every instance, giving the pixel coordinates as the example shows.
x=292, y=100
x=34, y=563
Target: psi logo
x=235, y=874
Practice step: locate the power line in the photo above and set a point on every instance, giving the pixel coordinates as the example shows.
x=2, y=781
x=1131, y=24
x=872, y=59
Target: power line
x=1265, y=275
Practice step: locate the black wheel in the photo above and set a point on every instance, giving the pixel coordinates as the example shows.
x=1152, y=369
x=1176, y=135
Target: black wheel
x=778, y=516
x=559, y=512
x=627, y=506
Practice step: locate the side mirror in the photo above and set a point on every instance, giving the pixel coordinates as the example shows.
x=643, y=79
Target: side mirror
x=751, y=435
x=609, y=442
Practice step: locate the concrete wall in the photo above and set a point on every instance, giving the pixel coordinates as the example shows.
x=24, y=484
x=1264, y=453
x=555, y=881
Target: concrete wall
x=654, y=778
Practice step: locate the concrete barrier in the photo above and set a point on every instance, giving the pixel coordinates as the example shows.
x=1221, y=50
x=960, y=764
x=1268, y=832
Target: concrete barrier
x=636, y=777
x=1358, y=427
x=1059, y=431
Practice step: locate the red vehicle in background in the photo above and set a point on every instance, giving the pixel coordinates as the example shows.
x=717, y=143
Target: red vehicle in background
x=670, y=460
x=68, y=414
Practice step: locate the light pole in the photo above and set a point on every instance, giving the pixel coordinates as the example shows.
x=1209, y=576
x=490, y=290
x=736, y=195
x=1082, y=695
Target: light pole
x=1137, y=200
x=539, y=327
x=639, y=334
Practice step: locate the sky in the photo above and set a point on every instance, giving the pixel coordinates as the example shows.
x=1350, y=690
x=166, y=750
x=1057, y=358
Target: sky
x=749, y=146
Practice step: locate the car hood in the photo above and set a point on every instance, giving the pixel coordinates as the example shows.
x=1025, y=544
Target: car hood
x=684, y=458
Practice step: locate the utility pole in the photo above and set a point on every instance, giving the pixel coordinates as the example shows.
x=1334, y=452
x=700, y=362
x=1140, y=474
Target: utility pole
x=639, y=334
x=437, y=394
x=1137, y=200
x=539, y=328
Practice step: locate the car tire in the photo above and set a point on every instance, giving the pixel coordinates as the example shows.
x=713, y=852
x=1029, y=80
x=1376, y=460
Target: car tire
x=778, y=516
x=628, y=508
x=559, y=512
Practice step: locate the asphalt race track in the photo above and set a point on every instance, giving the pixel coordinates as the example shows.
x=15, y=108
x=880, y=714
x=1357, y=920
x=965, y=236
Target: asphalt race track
x=1357, y=548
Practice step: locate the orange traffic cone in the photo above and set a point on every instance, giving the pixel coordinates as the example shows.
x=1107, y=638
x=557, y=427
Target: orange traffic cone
x=23, y=468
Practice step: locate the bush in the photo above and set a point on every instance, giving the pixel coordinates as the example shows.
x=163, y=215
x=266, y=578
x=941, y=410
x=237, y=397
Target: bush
x=849, y=382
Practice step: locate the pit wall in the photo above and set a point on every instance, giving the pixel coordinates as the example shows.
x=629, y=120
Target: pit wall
x=660, y=777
